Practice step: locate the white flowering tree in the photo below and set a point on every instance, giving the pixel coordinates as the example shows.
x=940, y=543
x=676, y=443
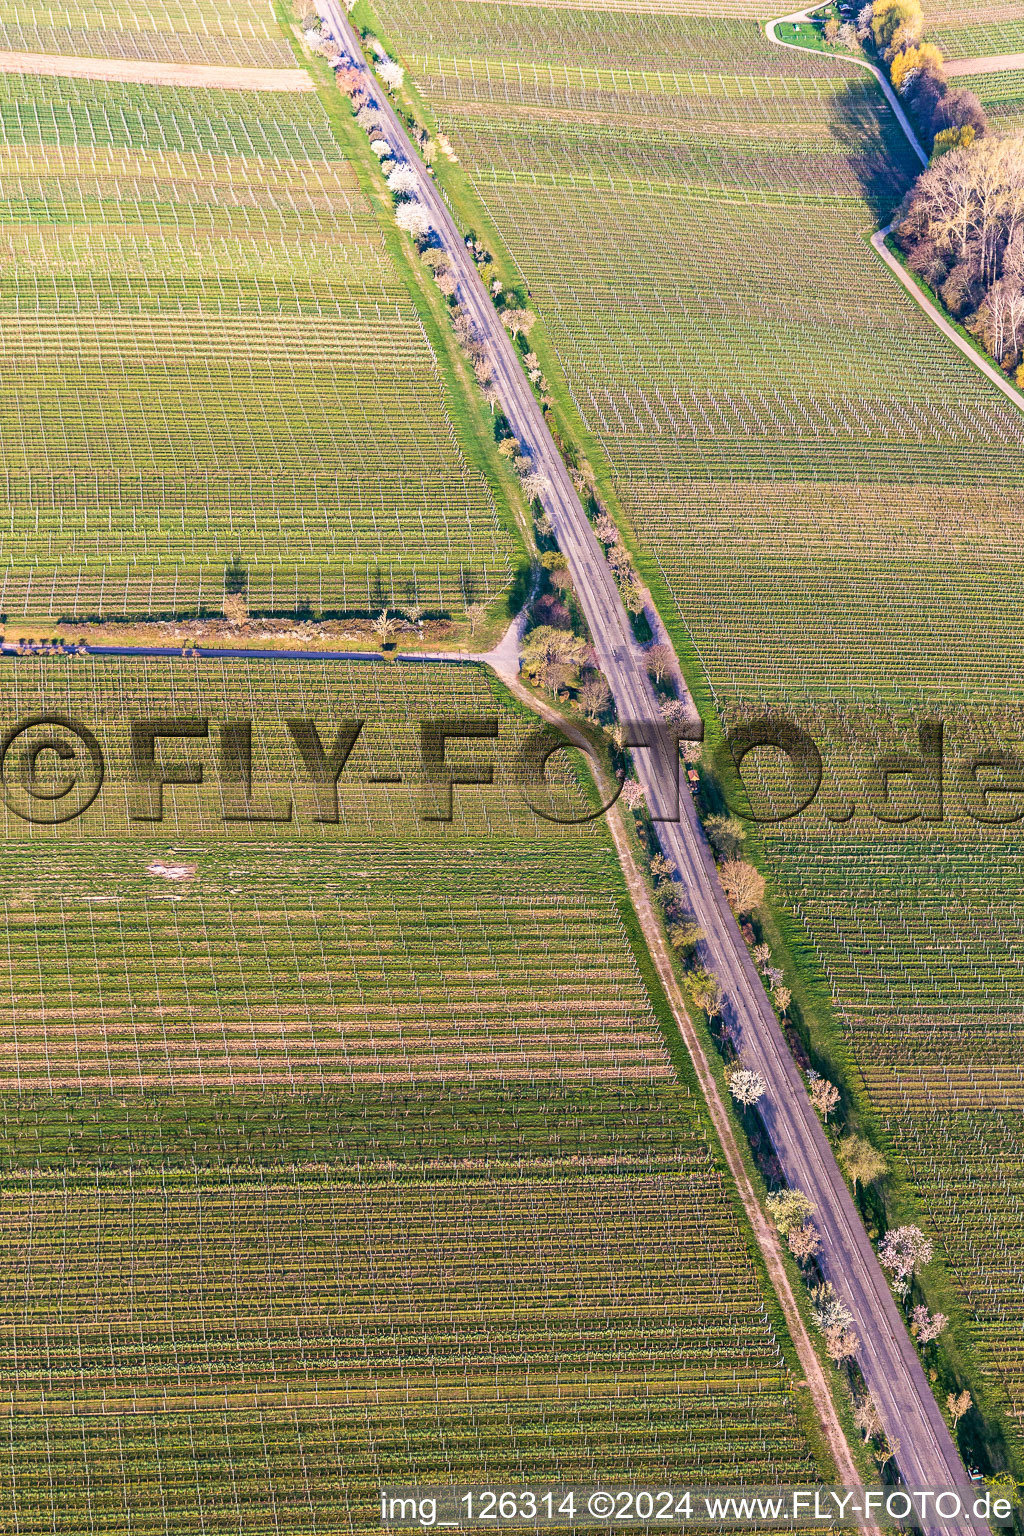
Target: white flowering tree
x=827, y=1309
x=633, y=795
x=403, y=181
x=904, y=1252
x=390, y=73
x=414, y=219
x=926, y=1326
x=746, y=1085
x=835, y=1321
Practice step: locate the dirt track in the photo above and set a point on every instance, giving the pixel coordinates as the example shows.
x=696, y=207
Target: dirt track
x=141, y=72
x=994, y=64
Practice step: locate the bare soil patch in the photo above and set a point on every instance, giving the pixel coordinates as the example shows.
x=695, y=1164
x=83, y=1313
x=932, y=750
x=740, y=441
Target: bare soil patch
x=143, y=72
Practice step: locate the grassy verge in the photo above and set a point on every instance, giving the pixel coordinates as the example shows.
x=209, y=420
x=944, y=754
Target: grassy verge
x=811, y=34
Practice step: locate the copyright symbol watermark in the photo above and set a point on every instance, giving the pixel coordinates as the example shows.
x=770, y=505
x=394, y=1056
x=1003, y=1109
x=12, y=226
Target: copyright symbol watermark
x=601, y=1504
x=51, y=769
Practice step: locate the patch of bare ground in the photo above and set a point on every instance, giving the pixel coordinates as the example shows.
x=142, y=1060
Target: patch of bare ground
x=995, y=64
x=252, y=634
x=144, y=72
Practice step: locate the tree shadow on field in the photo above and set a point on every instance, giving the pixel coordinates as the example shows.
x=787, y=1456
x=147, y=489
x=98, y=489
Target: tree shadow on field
x=864, y=128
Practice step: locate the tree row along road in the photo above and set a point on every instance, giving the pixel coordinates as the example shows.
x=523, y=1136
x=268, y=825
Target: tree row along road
x=892, y=1370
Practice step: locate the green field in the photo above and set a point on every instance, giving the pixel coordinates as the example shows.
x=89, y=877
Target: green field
x=209, y=352
x=357, y=1154
x=825, y=492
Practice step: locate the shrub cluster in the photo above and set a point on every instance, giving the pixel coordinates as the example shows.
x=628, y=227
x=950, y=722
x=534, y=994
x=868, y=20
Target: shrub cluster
x=962, y=229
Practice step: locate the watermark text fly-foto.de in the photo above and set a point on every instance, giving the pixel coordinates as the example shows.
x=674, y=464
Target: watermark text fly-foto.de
x=612, y=1506
x=53, y=767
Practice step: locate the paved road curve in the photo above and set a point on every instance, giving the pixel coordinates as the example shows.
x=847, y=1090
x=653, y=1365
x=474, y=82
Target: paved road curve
x=850, y=58
x=928, y=1457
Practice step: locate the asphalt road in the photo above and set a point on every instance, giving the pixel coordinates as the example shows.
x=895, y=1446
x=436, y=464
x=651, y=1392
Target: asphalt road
x=842, y=57
x=888, y=1358
x=935, y=315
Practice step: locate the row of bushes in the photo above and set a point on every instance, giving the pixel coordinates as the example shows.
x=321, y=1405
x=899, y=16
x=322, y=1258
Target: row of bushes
x=945, y=116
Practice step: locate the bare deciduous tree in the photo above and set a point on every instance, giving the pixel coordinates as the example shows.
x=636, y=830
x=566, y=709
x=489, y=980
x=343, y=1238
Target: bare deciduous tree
x=595, y=696
x=867, y=1418
x=660, y=661
x=518, y=321
x=742, y=884
x=804, y=1242
x=841, y=1344
x=385, y=627
x=824, y=1095
x=475, y=613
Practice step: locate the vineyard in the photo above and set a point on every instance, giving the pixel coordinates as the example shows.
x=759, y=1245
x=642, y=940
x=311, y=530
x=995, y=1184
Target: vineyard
x=256, y=1349
x=1002, y=96
x=828, y=490
x=338, y=1153
x=922, y=944
x=830, y=549
x=209, y=355
x=967, y=29
x=173, y=32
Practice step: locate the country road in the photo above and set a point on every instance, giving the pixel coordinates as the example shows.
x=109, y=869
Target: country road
x=927, y=1457
x=850, y=58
